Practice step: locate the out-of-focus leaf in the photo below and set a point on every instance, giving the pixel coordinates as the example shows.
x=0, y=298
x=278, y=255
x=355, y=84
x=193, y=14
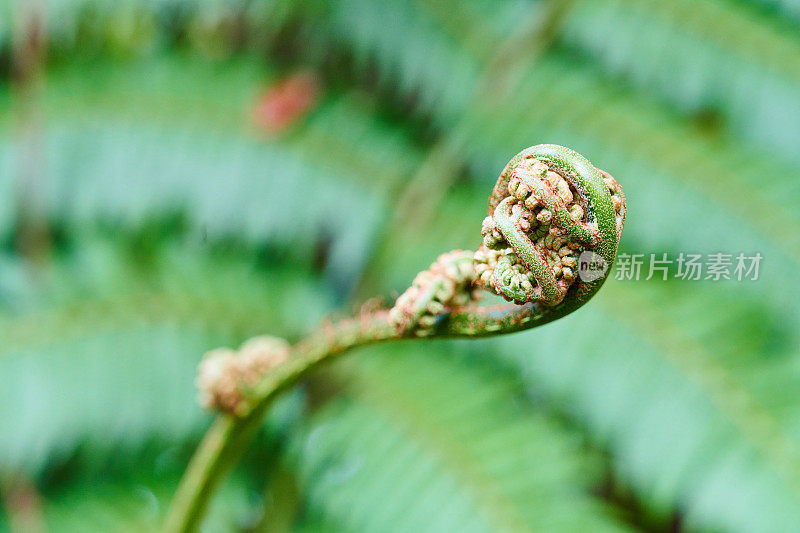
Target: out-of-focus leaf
x=431, y=441
x=690, y=391
x=108, y=354
x=694, y=417
x=168, y=135
x=134, y=499
x=702, y=55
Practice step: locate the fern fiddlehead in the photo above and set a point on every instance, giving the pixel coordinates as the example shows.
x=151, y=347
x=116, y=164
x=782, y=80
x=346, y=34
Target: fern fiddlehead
x=548, y=244
x=551, y=214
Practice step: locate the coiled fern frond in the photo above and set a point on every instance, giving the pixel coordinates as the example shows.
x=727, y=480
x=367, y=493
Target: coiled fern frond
x=577, y=209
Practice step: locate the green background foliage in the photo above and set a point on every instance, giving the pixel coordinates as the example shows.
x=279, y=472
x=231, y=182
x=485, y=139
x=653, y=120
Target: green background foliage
x=165, y=221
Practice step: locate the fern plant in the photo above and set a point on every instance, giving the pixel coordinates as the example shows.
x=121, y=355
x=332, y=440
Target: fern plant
x=549, y=205
x=176, y=140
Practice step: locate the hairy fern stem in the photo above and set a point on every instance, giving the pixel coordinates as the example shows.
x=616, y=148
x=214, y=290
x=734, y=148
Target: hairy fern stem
x=549, y=207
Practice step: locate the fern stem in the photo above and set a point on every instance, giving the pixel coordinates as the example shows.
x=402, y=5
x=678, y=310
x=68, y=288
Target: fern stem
x=443, y=301
x=204, y=472
x=225, y=440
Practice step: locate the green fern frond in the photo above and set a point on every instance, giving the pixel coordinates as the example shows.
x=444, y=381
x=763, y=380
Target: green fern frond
x=712, y=55
x=447, y=446
x=443, y=82
x=126, y=143
x=690, y=392
x=108, y=355
x=687, y=413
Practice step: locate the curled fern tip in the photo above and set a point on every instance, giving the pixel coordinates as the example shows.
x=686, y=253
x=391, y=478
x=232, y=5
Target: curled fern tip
x=549, y=207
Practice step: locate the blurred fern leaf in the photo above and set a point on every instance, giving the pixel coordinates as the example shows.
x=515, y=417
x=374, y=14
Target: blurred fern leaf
x=451, y=447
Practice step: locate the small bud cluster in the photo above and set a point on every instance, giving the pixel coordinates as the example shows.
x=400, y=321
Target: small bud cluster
x=447, y=283
x=512, y=273
x=537, y=222
x=225, y=374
